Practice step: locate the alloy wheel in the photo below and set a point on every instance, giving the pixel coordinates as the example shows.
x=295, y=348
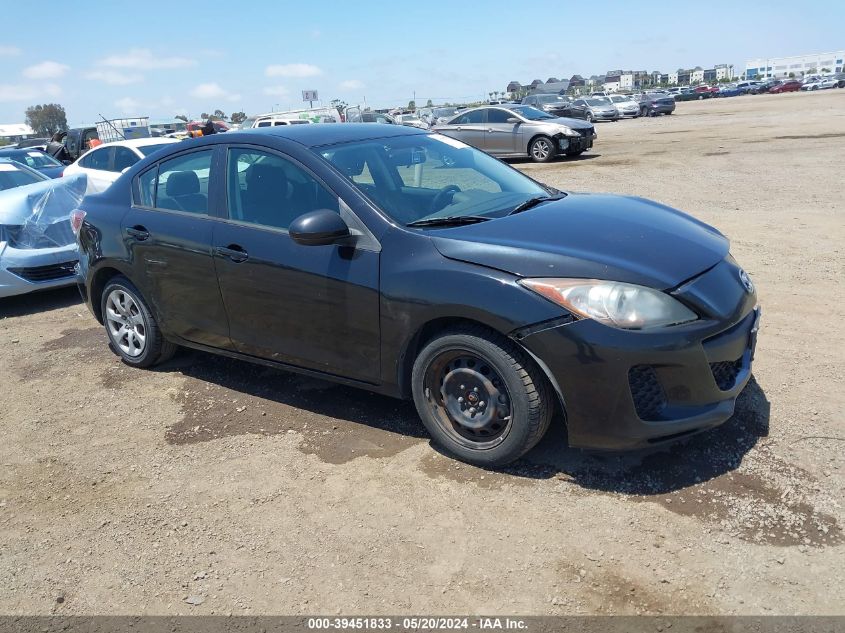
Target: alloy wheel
x=469, y=398
x=541, y=149
x=125, y=323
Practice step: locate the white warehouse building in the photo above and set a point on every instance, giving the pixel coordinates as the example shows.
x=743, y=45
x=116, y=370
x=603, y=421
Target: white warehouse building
x=765, y=67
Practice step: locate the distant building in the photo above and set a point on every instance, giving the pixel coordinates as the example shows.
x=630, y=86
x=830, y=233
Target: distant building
x=552, y=87
x=798, y=65
x=14, y=132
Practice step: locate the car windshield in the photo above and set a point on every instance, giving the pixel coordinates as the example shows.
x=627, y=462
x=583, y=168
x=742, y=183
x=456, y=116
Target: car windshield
x=550, y=98
x=444, y=112
x=34, y=159
x=429, y=176
x=596, y=102
x=532, y=114
x=146, y=150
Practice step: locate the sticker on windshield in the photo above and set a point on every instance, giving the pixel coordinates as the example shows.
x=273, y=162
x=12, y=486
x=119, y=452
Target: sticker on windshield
x=449, y=141
x=34, y=154
x=7, y=167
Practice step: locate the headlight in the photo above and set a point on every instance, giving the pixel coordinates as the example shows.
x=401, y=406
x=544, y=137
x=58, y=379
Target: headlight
x=568, y=131
x=612, y=302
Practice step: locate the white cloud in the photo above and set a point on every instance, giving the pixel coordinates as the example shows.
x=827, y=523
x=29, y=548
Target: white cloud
x=114, y=77
x=28, y=92
x=351, y=84
x=276, y=91
x=128, y=105
x=45, y=70
x=214, y=91
x=9, y=51
x=293, y=70
x=144, y=59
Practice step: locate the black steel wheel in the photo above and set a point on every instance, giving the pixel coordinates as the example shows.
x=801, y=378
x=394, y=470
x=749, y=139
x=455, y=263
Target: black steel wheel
x=481, y=398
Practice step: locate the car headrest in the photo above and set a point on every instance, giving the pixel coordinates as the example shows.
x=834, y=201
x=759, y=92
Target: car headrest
x=350, y=162
x=182, y=183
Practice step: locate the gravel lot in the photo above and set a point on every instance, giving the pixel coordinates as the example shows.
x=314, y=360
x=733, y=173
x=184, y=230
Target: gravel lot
x=213, y=486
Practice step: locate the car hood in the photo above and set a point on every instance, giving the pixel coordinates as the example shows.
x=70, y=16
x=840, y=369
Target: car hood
x=575, y=124
x=593, y=236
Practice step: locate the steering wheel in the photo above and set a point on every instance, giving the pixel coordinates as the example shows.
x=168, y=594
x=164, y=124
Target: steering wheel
x=440, y=199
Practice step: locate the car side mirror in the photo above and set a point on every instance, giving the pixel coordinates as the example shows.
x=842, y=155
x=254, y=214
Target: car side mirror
x=318, y=228
x=512, y=119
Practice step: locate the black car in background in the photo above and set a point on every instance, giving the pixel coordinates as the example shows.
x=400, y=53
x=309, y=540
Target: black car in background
x=557, y=105
x=654, y=103
x=410, y=264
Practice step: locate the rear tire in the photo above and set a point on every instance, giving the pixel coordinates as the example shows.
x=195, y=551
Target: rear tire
x=542, y=149
x=480, y=396
x=133, y=332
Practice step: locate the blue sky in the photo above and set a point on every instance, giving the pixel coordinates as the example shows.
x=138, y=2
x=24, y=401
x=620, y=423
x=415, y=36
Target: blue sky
x=161, y=58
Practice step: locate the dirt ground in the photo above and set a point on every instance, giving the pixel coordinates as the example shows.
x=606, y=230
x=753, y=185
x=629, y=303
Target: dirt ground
x=214, y=486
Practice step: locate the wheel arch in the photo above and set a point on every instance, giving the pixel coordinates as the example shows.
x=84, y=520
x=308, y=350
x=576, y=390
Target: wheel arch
x=98, y=283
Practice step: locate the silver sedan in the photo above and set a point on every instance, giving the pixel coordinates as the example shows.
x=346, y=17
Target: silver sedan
x=520, y=130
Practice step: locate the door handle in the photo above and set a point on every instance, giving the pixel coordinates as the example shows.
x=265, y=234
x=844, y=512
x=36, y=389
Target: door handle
x=489, y=129
x=232, y=252
x=138, y=232
x=458, y=128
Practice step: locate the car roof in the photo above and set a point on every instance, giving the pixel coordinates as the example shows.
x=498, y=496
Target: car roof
x=141, y=142
x=330, y=133
x=10, y=151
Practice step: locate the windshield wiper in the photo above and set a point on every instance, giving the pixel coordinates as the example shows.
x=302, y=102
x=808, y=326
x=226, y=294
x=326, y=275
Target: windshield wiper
x=450, y=220
x=533, y=202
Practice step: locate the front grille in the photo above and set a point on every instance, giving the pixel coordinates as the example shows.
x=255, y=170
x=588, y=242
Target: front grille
x=45, y=273
x=648, y=395
x=725, y=373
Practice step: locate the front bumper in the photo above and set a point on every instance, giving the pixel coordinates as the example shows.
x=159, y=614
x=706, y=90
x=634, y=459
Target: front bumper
x=628, y=389
x=31, y=269
x=604, y=116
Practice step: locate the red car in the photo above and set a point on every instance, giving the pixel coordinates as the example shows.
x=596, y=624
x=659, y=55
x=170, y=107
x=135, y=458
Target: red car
x=787, y=86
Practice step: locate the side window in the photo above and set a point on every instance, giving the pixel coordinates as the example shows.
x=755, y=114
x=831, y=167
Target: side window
x=147, y=187
x=182, y=183
x=269, y=190
x=264, y=124
x=123, y=158
x=498, y=116
x=97, y=159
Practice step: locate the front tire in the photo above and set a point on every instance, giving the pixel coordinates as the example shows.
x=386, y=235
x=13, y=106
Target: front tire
x=480, y=396
x=131, y=327
x=542, y=149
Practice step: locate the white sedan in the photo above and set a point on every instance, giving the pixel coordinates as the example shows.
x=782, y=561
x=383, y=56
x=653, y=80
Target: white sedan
x=104, y=164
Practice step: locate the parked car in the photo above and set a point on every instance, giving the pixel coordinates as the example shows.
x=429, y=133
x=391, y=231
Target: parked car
x=520, y=130
x=746, y=87
x=37, y=247
x=625, y=105
x=356, y=115
x=35, y=159
x=38, y=143
x=411, y=120
x=821, y=83
x=433, y=116
x=791, y=85
x=652, y=104
x=630, y=318
x=598, y=109
x=104, y=164
x=556, y=105
x=77, y=140
x=729, y=90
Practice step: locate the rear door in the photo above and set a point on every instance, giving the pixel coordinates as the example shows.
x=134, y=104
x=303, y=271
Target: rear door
x=501, y=137
x=169, y=236
x=97, y=165
x=315, y=307
x=469, y=127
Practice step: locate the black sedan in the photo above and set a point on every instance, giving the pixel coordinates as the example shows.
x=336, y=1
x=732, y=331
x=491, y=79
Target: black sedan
x=35, y=159
x=557, y=105
x=413, y=265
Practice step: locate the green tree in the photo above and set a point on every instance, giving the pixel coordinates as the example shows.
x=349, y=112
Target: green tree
x=219, y=114
x=825, y=70
x=429, y=104
x=204, y=115
x=791, y=75
x=46, y=119
x=412, y=105
x=181, y=117
x=237, y=117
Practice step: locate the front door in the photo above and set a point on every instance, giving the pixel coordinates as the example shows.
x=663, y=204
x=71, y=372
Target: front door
x=169, y=236
x=315, y=307
x=469, y=127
